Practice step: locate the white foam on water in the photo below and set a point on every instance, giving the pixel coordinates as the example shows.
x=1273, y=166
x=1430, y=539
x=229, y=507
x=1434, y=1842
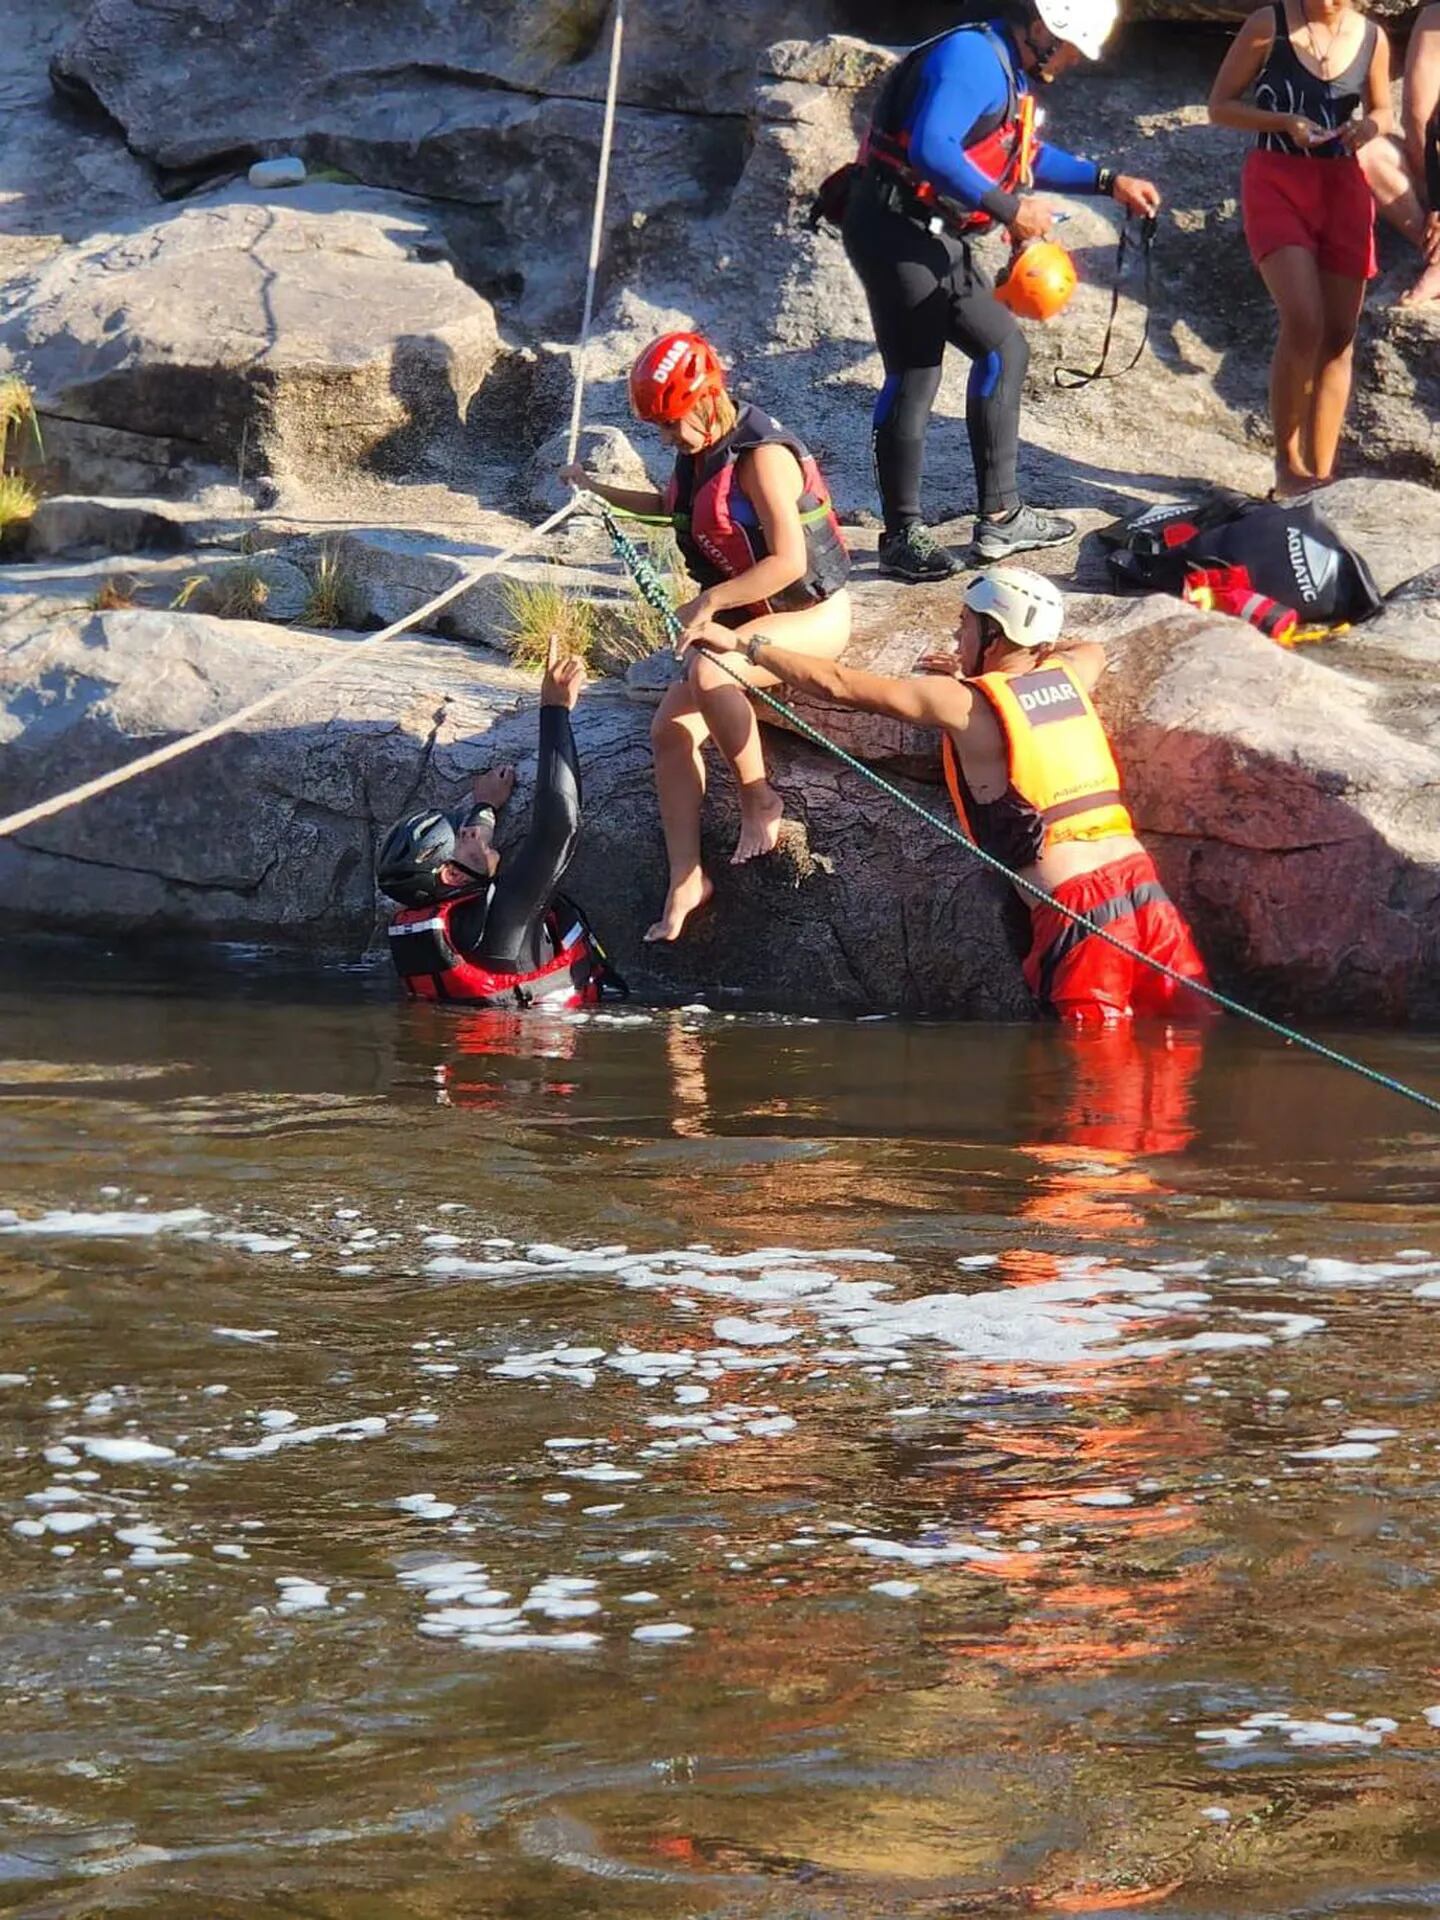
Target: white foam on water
x=1343, y=1450
x=1432, y=1716
x=366, y=1428
x=603, y=1513
x=896, y=1589
x=256, y=1242
x=1116, y=1499
x=143, y=1533
x=299, y=1595
x=426, y=1507
x=14, y=1379
x=105, y=1226
x=1371, y=1433
x=1335, y=1729
x=751, y=1333
x=603, y=1471
x=950, y=1555
x=642, y=1597
x=246, y=1333
x=662, y=1630
x=119, y=1450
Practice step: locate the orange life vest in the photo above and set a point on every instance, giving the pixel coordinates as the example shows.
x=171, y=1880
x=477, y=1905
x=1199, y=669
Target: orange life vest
x=1064, y=784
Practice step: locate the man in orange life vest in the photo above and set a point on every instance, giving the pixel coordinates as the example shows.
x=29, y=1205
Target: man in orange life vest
x=1034, y=783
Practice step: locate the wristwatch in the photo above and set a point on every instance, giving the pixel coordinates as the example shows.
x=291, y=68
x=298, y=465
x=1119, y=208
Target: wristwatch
x=751, y=645
x=1105, y=178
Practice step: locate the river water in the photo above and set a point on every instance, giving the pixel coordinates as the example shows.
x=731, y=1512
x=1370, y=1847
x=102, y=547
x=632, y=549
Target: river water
x=679, y=1464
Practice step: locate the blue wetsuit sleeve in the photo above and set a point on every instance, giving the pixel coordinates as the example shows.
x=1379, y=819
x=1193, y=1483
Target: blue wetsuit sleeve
x=962, y=85
x=1063, y=172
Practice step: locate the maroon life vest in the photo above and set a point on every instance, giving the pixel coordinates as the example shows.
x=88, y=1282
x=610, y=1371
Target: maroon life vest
x=1003, y=154
x=718, y=529
x=432, y=966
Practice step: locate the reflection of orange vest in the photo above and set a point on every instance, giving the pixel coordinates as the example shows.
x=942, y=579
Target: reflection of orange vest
x=1063, y=777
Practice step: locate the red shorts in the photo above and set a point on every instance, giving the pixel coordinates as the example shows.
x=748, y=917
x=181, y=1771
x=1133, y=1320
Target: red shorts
x=1084, y=977
x=1324, y=206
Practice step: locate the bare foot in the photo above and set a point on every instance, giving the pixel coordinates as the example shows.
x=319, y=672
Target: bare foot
x=494, y=788
x=1426, y=288
x=684, y=898
x=761, y=811
x=1294, y=486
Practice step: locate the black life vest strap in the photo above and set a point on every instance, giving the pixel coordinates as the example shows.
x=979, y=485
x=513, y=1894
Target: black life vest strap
x=1071, y=378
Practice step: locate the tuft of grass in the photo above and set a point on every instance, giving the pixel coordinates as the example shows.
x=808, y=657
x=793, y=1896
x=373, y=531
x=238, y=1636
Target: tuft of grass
x=17, y=416
x=567, y=31
x=187, y=593
x=637, y=631
x=18, y=501
x=335, y=599
x=538, y=610
x=113, y=595
x=241, y=592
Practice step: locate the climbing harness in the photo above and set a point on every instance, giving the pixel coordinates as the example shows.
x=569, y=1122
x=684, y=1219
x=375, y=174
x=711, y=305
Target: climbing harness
x=652, y=590
x=1069, y=379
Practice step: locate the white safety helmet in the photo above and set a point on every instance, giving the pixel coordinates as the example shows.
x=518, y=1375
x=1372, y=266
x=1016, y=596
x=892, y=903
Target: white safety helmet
x=1028, y=609
x=1086, y=24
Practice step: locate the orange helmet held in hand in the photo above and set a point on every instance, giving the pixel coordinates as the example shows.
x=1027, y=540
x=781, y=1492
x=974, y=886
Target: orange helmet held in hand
x=672, y=374
x=1040, y=282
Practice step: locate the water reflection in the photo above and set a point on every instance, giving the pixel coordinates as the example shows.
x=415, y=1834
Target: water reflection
x=973, y=1544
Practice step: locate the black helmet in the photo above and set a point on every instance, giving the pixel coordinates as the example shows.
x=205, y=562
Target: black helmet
x=408, y=865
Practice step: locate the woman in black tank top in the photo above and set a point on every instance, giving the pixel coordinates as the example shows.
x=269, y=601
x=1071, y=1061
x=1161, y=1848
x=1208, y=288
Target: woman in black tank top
x=1318, y=76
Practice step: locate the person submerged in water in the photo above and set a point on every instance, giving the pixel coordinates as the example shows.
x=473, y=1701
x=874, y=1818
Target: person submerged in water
x=473, y=930
x=754, y=521
x=1034, y=782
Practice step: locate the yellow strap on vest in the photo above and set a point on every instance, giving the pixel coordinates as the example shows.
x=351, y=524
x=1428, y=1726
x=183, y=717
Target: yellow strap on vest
x=950, y=761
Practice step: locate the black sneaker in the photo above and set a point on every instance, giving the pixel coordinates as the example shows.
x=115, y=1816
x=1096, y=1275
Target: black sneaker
x=1026, y=529
x=915, y=554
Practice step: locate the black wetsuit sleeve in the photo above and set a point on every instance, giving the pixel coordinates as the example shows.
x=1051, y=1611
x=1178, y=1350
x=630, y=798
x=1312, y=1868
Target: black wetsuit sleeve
x=514, y=939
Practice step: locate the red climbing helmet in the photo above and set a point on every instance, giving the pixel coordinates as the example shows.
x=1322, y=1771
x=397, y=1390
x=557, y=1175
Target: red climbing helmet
x=671, y=374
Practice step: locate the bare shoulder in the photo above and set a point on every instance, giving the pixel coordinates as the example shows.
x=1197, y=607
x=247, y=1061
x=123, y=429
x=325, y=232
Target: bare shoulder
x=1086, y=659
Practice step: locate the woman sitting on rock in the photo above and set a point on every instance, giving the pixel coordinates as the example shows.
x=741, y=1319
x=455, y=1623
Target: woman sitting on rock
x=755, y=524
x=1310, y=66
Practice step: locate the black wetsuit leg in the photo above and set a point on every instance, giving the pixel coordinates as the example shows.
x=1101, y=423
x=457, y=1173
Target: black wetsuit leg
x=1432, y=161
x=514, y=940
x=926, y=292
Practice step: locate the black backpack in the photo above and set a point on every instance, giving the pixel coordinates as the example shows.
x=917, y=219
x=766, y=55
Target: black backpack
x=1287, y=550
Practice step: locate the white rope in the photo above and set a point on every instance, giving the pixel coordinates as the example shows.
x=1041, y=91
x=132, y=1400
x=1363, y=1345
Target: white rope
x=62, y=802
x=597, y=230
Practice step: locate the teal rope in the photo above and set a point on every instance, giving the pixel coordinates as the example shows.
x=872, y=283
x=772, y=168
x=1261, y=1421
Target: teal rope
x=652, y=591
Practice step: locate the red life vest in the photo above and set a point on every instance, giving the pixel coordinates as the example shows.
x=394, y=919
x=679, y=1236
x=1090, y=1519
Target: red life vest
x=718, y=530
x=1004, y=154
x=432, y=966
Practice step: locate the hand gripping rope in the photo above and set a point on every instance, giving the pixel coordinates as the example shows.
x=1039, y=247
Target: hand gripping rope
x=652, y=591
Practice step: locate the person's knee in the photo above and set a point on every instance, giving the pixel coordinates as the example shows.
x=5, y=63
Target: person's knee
x=1337, y=343
x=668, y=734
x=708, y=677
x=1301, y=334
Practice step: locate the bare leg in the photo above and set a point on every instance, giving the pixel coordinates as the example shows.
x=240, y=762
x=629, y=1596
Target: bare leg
x=823, y=630
x=677, y=734
x=1427, y=287
x=1400, y=201
x=1293, y=280
x=1342, y=300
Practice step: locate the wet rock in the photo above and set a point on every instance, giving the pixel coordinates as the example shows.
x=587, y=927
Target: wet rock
x=1290, y=799
x=861, y=908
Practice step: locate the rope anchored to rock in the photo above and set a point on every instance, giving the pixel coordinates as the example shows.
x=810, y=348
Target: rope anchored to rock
x=652, y=590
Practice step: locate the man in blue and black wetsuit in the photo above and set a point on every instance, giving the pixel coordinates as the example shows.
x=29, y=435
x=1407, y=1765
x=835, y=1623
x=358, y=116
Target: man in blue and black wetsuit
x=950, y=153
